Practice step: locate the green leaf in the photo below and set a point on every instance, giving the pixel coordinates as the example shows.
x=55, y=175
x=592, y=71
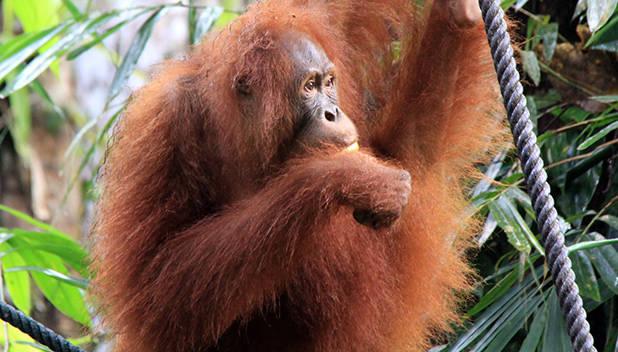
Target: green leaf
x=495, y=293
x=607, y=34
x=597, y=136
x=16, y=43
x=35, y=15
x=32, y=221
x=72, y=9
x=523, y=199
x=51, y=240
x=20, y=124
x=590, y=244
x=40, y=90
x=488, y=318
x=549, y=36
x=22, y=49
x=19, y=341
x=605, y=260
x=65, y=297
x=610, y=47
x=206, y=21
x=133, y=54
x=599, y=12
x=90, y=152
x=580, y=8
x=488, y=228
x=506, y=4
x=531, y=342
x=225, y=18
x=519, y=4
x=585, y=276
x=555, y=338
x=76, y=32
x=87, y=127
x=531, y=66
x=574, y=114
x=17, y=283
x=77, y=282
x=124, y=19
x=192, y=20
x=509, y=324
x=510, y=221
x=607, y=99
x=611, y=220
x=65, y=248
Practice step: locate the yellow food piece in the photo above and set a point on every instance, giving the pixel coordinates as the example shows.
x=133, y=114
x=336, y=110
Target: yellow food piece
x=354, y=147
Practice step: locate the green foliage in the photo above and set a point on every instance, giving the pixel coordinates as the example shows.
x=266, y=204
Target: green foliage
x=517, y=308
x=45, y=258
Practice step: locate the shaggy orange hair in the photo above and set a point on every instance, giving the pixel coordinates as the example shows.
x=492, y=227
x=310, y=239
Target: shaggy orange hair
x=201, y=247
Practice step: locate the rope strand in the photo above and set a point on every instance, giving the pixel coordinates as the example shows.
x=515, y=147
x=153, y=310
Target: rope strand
x=536, y=177
x=39, y=332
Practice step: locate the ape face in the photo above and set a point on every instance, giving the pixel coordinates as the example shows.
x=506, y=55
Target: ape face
x=319, y=121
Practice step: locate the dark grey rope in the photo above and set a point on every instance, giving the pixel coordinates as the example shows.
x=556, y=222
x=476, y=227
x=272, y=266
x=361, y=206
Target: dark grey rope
x=36, y=330
x=536, y=177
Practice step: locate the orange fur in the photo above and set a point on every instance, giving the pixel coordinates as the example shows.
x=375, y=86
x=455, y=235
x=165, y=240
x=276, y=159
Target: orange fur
x=206, y=240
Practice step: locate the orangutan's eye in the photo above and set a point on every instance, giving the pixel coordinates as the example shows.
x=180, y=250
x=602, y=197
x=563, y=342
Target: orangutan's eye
x=330, y=82
x=310, y=85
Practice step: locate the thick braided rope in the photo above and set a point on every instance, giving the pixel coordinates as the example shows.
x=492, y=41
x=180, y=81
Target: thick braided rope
x=36, y=330
x=536, y=177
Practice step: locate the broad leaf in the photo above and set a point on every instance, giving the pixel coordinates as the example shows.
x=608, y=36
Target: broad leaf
x=510, y=221
x=586, y=278
x=607, y=34
x=65, y=248
x=66, y=297
x=16, y=283
x=611, y=220
x=35, y=15
x=531, y=66
x=605, y=260
x=599, y=12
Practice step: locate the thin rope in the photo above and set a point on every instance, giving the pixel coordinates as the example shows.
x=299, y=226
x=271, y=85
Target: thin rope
x=536, y=177
x=36, y=330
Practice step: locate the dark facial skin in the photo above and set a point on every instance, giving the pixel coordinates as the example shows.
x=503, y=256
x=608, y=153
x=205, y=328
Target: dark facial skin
x=321, y=122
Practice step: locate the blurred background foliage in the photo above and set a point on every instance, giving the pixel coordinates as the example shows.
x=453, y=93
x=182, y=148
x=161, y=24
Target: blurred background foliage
x=66, y=71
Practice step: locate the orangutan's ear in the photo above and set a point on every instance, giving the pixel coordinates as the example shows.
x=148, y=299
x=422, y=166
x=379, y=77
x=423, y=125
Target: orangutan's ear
x=242, y=86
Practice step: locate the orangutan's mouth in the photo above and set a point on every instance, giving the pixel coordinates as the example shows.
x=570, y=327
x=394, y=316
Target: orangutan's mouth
x=352, y=147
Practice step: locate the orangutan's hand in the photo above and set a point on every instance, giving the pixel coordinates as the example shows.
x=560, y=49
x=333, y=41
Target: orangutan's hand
x=465, y=13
